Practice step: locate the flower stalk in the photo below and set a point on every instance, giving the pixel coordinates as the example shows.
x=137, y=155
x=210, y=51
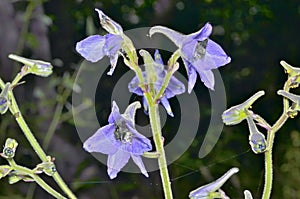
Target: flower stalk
x=158, y=140
x=35, y=177
x=270, y=141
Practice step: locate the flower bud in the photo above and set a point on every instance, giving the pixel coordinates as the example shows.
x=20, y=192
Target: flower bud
x=9, y=148
x=47, y=167
x=37, y=67
x=238, y=113
x=207, y=190
x=257, y=140
x=293, y=110
x=293, y=73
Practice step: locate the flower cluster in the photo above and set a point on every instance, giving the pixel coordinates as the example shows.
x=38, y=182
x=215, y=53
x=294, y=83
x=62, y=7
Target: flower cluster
x=119, y=138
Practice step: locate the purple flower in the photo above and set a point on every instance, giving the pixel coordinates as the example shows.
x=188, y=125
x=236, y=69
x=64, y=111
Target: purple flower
x=199, y=53
x=175, y=87
x=95, y=47
x=120, y=140
x=209, y=190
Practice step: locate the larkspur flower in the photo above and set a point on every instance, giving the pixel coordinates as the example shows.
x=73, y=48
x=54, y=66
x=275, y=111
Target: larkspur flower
x=257, y=140
x=293, y=73
x=206, y=191
x=175, y=87
x=199, y=53
x=120, y=140
x=95, y=47
x=238, y=113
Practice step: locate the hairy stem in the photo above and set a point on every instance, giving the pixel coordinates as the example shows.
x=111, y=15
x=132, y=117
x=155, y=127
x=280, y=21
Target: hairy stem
x=158, y=140
x=271, y=136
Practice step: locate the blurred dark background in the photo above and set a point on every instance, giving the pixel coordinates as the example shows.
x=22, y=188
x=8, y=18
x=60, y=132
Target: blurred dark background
x=256, y=34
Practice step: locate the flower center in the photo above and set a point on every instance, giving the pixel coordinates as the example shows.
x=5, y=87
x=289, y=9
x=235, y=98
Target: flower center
x=200, y=49
x=122, y=133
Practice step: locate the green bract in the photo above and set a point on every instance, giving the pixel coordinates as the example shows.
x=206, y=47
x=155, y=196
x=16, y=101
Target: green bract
x=238, y=113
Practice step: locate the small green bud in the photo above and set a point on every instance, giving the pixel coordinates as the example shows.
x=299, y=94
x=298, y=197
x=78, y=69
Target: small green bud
x=9, y=148
x=37, y=67
x=4, y=101
x=4, y=170
x=238, y=113
x=47, y=167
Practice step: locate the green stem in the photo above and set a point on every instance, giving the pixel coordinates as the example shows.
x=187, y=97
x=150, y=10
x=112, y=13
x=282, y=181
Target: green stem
x=268, y=154
x=14, y=109
x=35, y=177
x=158, y=140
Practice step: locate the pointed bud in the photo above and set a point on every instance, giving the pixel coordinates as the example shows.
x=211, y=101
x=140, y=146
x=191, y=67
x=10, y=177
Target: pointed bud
x=9, y=148
x=36, y=67
x=293, y=110
x=293, y=73
x=238, y=113
x=108, y=24
x=257, y=140
x=207, y=190
x=4, y=102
